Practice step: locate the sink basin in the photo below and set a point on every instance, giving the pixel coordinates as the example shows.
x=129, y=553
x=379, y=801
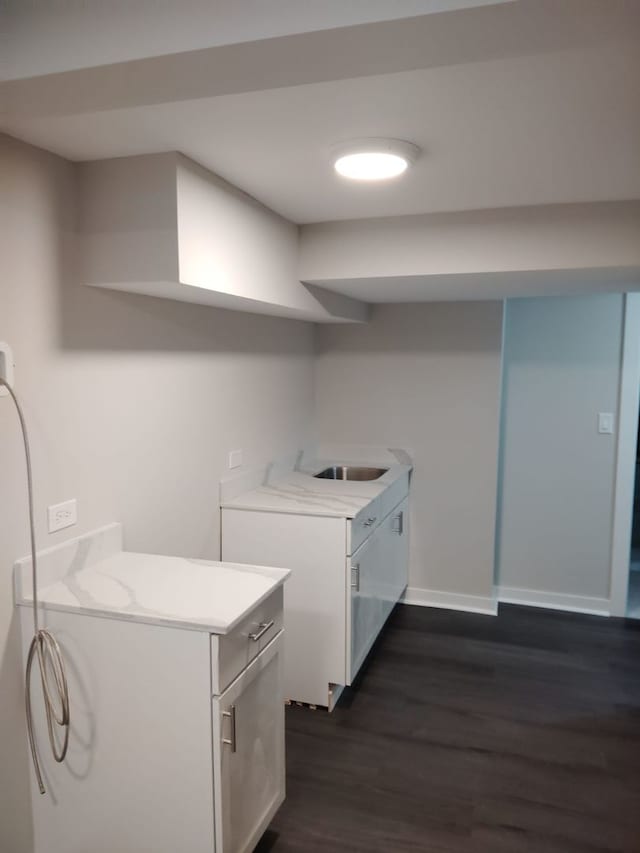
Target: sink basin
x=350, y=472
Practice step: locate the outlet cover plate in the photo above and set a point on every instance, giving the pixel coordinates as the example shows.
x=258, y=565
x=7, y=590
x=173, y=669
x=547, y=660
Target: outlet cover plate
x=62, y=515
x=6, y=367
x=235, y=459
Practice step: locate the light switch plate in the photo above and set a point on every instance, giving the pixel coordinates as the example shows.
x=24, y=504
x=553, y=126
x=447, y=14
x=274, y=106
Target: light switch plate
x=235, y=459
x=605, y=423
x=62, y=515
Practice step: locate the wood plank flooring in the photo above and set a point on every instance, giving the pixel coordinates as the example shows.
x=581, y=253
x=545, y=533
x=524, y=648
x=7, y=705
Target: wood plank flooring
x=472, y=734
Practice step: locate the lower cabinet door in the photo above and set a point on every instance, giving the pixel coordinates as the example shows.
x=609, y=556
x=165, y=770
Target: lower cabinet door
x=376, y=578
x=365, y=597
x=249, y=757
x=396, y=533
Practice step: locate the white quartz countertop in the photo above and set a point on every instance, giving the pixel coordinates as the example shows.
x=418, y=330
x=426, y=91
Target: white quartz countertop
x=299, y=492
x=174, y=591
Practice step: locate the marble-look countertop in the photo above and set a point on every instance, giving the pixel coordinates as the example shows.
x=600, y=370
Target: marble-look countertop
x=173, y=591
x=299, y=492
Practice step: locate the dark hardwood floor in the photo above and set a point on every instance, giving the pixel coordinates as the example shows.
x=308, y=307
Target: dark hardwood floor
x=474, y=734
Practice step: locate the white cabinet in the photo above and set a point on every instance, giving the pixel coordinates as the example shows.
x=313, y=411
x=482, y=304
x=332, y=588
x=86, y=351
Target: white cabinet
x=248, y=726
x=150, y=768
x=347, y=574
x=378, y=577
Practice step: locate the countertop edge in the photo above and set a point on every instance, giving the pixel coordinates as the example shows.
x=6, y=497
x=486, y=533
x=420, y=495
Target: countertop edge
x=287, y=511
x=166, y=622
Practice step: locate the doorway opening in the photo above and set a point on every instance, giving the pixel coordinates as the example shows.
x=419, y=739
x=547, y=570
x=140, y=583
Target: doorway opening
x=633, y=591
x=625, y=556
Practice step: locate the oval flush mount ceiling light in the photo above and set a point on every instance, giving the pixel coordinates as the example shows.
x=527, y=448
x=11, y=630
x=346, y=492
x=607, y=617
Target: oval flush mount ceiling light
x=373, y=159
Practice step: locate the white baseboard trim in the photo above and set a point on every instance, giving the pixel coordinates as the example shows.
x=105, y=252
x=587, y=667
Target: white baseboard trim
x=450, y=600
x=554, y=601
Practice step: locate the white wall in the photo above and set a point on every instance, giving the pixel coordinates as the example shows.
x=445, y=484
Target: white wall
x=562, y=367
x=132, y=405
x=229, y=242
x=426, y=377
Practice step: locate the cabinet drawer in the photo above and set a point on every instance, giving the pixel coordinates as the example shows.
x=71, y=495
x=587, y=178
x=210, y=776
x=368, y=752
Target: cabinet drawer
x=370, y=517
x=364, y=522
x=233, y=652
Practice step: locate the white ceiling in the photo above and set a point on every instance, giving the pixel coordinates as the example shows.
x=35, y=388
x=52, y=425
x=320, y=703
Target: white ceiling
x=534, y=130
x=526, y=103
x=46, y=37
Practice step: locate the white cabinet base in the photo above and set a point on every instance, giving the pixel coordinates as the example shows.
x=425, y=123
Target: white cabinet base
x=137, y=778
x=146, y=770
x=335, y=604
x=314, y=547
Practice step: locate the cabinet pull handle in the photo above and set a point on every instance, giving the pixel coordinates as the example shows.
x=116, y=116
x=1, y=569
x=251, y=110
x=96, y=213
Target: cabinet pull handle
x=370, y=521
x=232, y=716
x=263, y=628
x=355, y=577
x=398, y=523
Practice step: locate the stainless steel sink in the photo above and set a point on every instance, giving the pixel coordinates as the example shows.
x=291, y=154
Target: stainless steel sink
x=350, y=472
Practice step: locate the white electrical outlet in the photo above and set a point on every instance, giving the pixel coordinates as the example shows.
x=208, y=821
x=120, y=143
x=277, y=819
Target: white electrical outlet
x=62, y=515
x=235, y=459
x=6, y=367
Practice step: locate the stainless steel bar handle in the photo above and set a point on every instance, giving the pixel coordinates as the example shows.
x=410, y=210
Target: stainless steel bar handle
x=231, y=714
x=263, y=628
x=355, y=577
x=370, y=521
x=398, y=523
